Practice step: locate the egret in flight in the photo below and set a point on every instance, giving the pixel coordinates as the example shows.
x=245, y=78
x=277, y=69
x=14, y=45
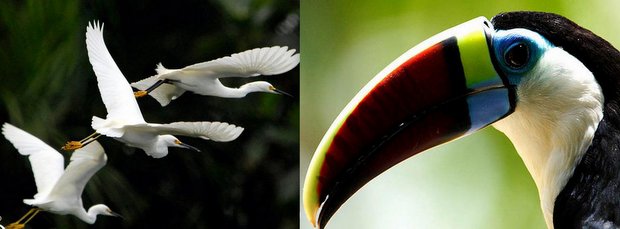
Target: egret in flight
x=59, y=190
x=124, y=121
x=203, y=78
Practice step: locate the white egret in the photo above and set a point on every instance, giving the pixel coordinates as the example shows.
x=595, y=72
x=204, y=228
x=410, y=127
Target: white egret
x=59, y=190
x=203, y=78
x=124, y=121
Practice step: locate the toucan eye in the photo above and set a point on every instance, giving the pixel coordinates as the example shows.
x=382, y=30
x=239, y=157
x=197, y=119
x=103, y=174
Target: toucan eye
x=517, y=55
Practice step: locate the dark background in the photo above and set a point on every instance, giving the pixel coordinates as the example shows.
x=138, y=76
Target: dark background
x=48, y=88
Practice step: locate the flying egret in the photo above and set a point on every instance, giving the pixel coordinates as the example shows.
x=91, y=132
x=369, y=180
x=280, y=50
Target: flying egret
x=203, y=78
x=124, y=121
x=59, y=191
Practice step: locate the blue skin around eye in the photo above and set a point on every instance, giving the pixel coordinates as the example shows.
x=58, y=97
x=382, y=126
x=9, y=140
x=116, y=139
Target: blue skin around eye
x=485, y=107
x=505, y=39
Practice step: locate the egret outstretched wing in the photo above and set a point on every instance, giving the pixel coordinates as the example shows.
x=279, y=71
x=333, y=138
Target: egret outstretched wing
x=215, y=131
x=259, y=61
x=47, y=164
x=85, y=162
x=115, y=90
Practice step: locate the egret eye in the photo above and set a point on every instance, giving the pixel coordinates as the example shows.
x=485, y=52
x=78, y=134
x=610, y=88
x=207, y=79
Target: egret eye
x=517, y=55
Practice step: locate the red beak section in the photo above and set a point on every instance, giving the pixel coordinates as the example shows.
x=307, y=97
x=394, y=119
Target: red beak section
x=421, y=100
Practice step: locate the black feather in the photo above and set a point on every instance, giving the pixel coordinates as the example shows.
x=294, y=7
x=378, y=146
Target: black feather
x=591, y=198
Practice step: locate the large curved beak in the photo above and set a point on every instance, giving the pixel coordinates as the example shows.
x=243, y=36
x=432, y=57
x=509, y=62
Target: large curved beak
x=442, y=89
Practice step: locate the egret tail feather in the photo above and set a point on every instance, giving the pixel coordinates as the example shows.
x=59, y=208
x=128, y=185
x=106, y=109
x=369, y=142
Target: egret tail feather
x=106, y=127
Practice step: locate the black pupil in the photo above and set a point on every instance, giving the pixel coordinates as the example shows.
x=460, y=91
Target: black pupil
x=517, y=56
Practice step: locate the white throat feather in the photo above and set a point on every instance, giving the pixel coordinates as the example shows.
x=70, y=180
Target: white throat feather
x=559, y=107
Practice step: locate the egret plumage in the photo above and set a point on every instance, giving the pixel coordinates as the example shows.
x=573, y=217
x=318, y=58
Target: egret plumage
x=124, y=121
x=204, y=78
x=550, y=85
x=59, y=189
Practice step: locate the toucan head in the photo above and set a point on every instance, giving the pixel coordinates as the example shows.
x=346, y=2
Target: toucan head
x=520, y=72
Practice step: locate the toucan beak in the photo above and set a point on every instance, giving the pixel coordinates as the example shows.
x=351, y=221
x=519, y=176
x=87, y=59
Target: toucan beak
x=443, y=89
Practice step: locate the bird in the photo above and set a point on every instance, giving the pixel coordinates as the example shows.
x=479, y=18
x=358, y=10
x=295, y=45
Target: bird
x=550, y=85
x=204, y=78
x=124, y=121
x=59, y=189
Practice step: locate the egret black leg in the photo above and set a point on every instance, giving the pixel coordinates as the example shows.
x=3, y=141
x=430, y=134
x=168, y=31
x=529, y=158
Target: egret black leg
x=21, y=223
x=141, y=93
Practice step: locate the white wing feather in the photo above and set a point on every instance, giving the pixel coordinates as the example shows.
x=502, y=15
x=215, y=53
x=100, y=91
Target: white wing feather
x=215, y=131
x=259, y=61
x=85, y=162
x=47, y=164
x=115, y=90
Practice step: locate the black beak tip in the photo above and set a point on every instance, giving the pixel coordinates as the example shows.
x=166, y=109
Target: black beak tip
x=180, y=144
x=283, y=93
x=190, y=147
x=117, y=215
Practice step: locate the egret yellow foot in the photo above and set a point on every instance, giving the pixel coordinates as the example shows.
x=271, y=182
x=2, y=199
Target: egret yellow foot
x=28, y=216
x=72, y=145
x=139, y=94
x=15, y=226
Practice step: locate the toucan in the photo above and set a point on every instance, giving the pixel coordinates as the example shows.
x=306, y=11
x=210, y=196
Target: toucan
x=551, y=86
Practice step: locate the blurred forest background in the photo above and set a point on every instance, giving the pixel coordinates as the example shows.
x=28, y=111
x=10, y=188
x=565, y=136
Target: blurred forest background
x=475, y=182
x=49, y=89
